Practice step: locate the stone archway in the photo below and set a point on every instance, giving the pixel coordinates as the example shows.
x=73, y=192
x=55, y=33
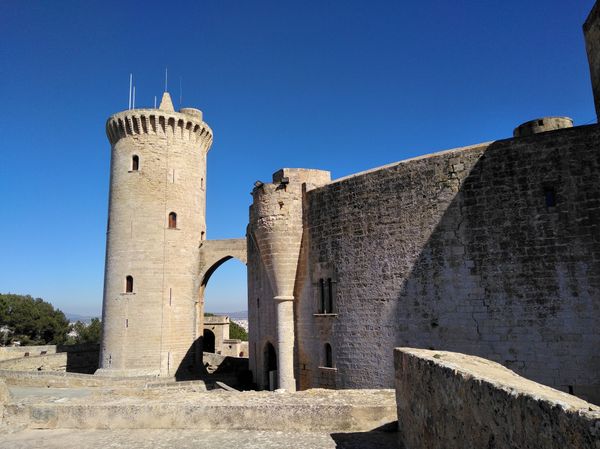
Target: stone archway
x=213, y=254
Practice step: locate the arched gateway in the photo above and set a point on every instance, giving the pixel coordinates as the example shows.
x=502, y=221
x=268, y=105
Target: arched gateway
x=213, y=253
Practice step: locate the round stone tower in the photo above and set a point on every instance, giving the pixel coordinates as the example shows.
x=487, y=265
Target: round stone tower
x=156, y=223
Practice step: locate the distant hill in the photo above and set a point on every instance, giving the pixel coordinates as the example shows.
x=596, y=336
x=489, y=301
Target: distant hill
x=72, y=317
x=234, y=315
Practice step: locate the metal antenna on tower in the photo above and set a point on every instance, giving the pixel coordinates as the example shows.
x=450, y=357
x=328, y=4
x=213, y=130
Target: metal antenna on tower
x=130, y=84
x=166, y=77
x=155, y=102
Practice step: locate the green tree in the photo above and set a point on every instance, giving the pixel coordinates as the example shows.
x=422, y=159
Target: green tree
x=237, y=332
x=32, y=321
x=86, y=333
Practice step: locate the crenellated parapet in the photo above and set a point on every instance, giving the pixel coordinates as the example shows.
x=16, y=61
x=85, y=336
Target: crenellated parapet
x=186, y=125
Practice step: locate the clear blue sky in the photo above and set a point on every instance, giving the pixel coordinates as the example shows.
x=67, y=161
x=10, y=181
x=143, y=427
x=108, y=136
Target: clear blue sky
x=338, y=85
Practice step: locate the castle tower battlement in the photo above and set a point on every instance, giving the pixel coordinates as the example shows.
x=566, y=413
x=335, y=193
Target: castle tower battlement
x=186, y=125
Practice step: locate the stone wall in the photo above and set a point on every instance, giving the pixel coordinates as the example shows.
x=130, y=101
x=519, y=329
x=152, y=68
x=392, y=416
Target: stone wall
x=51, y=362
x=73, y=358
x=261, y=313
x=491, y=250
x=275, y=236
x=14, y=352
x=449, y=400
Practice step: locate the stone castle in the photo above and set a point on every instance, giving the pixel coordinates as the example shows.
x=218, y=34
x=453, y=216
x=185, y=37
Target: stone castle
x=491, y=250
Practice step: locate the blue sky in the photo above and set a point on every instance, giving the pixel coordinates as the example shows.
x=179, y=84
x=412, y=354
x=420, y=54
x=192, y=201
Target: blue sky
x=338, y=85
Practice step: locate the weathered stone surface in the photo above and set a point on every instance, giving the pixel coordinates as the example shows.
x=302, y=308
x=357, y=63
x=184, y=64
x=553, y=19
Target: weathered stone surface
x=50, y=362
x=542, y=125
x=491, y=249
x=73, y=358
x=15, y=352
x=460, y=251
x=123, y=408
x=276, y=231
x=194, y=439
x=152, y=330
x=4, y=393
x=58, y=379
x=450, y=400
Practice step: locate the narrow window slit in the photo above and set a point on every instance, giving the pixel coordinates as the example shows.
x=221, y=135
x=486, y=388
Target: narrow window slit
x=129, y=284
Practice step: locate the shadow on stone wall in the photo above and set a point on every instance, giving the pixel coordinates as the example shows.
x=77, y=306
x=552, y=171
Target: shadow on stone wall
x=511, y=271
x=191, y=367
x=197, y=365
x=491, y=251
x=82, y=358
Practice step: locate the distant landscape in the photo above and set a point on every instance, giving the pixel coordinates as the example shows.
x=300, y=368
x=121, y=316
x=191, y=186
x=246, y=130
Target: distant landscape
x=234, y=315
x=72, y=317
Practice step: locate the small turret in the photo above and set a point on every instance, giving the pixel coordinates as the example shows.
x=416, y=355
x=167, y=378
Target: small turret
x=542, y=125
x=276, y=225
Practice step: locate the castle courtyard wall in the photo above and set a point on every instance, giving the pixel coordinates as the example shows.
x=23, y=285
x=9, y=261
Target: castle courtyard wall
x=491, y=250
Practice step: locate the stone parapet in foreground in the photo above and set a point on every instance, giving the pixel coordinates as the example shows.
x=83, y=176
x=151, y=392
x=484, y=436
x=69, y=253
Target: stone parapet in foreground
x=182, y=408
x=451, y=400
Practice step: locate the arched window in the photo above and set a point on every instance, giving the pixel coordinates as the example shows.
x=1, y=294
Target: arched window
x=129, y=284
x=172, y=220
x=135, y=163
x=328, y=356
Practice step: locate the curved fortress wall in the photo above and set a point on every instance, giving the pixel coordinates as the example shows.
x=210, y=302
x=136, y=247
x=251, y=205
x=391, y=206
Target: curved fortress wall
x=491, y=250
x=149, y=330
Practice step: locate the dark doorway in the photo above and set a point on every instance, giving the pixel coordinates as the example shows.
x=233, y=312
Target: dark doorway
x=270, y=362
x=208, y=341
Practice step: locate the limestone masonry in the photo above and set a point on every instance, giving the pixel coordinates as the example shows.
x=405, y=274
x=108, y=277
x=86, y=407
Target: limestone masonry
x=156, y=261
x=491, y=250
x=455, y=401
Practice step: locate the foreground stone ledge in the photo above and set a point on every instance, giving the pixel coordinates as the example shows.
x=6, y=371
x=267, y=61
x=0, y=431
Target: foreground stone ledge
x=56, y=379
x=450, y=400
x=312, y=410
